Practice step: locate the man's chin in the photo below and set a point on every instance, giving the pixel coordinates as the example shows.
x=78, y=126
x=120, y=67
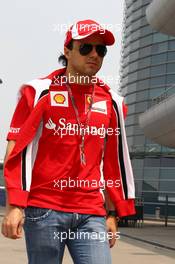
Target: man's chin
x=91, y=72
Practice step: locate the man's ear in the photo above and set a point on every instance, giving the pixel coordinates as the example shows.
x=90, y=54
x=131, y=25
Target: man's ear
x=66, y=52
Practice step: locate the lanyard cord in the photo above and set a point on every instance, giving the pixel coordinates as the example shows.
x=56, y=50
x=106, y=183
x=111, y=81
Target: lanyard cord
x=76, y=109
x=82, y=153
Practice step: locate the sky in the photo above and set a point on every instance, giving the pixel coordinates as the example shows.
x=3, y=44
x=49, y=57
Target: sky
x=31, y=39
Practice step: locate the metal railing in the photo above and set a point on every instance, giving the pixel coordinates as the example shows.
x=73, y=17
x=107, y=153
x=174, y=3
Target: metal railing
x=151, y=150
x=161, y=213
x=163, y=96
x=161, y=210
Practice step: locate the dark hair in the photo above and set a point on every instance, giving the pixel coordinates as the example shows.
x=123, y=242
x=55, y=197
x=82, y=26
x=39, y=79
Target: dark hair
x=62, y=59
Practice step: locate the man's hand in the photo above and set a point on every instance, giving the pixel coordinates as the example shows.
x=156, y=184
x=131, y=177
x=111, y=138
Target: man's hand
x=13, y=222
x=14, y=218
x=112, y=227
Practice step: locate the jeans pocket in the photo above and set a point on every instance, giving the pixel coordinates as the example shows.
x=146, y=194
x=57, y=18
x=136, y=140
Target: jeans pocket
x=34, y=214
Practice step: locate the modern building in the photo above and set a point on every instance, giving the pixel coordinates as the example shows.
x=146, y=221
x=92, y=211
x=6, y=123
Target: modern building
x=2, y=190
x=158, y=121
x=147, y=70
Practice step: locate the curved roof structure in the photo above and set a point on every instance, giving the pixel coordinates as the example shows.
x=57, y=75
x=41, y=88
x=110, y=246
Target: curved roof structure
x=160, y=15
x=158, y=122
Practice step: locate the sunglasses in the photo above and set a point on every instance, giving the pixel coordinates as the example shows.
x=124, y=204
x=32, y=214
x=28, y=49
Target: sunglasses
x=85, y=49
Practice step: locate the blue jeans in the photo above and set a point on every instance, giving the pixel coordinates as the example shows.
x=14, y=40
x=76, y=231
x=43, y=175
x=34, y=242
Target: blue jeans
x=48, y=231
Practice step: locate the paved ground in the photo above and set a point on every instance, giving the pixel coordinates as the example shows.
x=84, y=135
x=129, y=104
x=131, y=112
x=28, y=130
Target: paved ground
x=127, y=249
x=154, y=233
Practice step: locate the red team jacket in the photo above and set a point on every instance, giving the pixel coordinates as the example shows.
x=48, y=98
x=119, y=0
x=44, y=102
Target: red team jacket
x=44, y=167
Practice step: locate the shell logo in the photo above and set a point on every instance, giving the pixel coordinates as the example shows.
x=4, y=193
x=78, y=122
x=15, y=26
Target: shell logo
x=59, y=98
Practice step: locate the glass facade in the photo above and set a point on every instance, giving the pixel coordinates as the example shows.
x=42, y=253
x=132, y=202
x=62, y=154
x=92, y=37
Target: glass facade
x=2, y=190
x=147, y=70
x=1, y=175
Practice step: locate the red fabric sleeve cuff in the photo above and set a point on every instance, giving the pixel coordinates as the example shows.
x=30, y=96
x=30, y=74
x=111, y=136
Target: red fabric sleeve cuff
x=17, y=197
x=12, y=136
x=125, y=207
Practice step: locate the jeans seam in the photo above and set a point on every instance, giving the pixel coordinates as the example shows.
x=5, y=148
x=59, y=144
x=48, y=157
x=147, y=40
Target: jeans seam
x=34, y=219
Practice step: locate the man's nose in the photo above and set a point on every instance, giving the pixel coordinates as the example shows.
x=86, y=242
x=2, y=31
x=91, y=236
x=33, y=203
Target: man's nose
x=94, y=52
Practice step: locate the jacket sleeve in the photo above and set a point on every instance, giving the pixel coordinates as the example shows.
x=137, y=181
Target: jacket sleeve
x=17, y=168
x=25, y=101
x=125, y=109
x=117, y=169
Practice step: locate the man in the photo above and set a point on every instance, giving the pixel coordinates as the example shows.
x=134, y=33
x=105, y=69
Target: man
x=67, y=155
